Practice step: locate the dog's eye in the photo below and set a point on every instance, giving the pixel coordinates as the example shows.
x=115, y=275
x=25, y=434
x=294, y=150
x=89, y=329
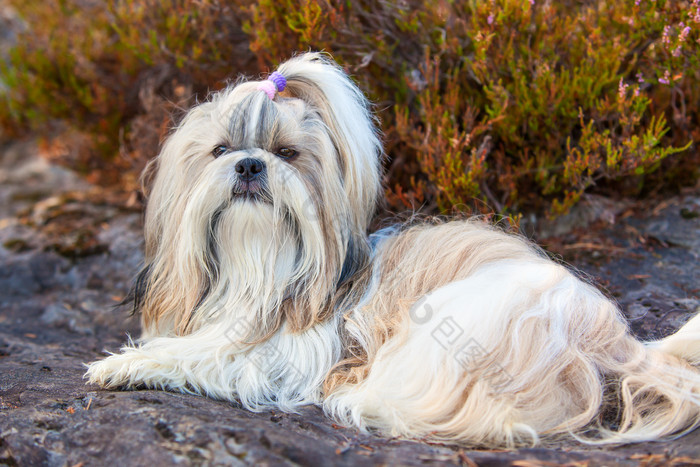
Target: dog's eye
x=286, y=153
x=219, y=150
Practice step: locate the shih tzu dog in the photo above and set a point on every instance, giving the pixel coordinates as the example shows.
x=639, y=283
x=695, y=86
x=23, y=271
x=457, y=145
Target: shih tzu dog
x=262, y=286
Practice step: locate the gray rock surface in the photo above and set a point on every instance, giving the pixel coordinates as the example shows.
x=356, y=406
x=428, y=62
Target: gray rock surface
x=57, y=296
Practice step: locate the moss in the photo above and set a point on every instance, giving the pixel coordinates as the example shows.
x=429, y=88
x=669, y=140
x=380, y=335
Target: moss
x=17, y=245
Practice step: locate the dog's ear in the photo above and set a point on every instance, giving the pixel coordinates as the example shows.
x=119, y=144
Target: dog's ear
x=178, y=272
x=317, y=80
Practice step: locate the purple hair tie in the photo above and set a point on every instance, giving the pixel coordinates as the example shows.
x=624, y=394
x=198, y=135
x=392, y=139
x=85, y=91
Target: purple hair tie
x=274, y=83
x=279, y=80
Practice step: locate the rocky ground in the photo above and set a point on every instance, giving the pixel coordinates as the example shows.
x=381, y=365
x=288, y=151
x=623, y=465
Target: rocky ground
x=68, y=251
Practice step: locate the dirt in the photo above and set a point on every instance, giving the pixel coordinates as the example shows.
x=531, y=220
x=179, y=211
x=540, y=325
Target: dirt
x=68, y=252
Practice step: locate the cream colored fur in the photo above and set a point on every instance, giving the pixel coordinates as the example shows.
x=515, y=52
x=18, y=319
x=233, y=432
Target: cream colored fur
x=452, y=331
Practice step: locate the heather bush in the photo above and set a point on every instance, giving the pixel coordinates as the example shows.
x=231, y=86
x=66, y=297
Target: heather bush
x=506, y=105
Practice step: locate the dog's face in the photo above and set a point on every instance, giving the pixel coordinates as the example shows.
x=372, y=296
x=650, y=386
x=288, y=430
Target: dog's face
x=261, y=205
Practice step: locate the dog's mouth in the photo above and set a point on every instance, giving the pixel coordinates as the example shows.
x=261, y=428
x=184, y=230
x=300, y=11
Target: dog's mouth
x=253, y=190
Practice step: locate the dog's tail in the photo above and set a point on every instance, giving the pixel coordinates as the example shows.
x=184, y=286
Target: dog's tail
x=657, y=394
x=684, y=344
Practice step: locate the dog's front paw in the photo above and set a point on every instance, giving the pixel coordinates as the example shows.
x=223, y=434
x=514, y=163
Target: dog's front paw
x=112, y=372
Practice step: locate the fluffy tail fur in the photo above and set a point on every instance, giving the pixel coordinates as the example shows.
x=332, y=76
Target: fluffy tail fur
x=659, y=386
x=684, y=344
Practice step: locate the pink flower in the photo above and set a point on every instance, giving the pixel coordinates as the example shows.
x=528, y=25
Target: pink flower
x=622, y=90
x=666, y=79
x=677, y=51
x=684, y=33
x=665, y=38
x=490, y=19
x=640, y=78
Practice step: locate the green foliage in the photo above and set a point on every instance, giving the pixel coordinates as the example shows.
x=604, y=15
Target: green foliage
x=510, y=105
x=555, y=99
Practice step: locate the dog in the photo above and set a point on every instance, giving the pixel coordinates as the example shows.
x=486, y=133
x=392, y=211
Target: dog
x=262, y=286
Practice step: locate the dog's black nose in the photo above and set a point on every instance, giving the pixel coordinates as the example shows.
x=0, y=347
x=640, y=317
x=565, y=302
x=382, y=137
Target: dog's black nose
x=248, y=169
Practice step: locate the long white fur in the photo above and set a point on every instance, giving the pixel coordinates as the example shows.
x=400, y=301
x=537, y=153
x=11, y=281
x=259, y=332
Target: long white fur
x=455, y=332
